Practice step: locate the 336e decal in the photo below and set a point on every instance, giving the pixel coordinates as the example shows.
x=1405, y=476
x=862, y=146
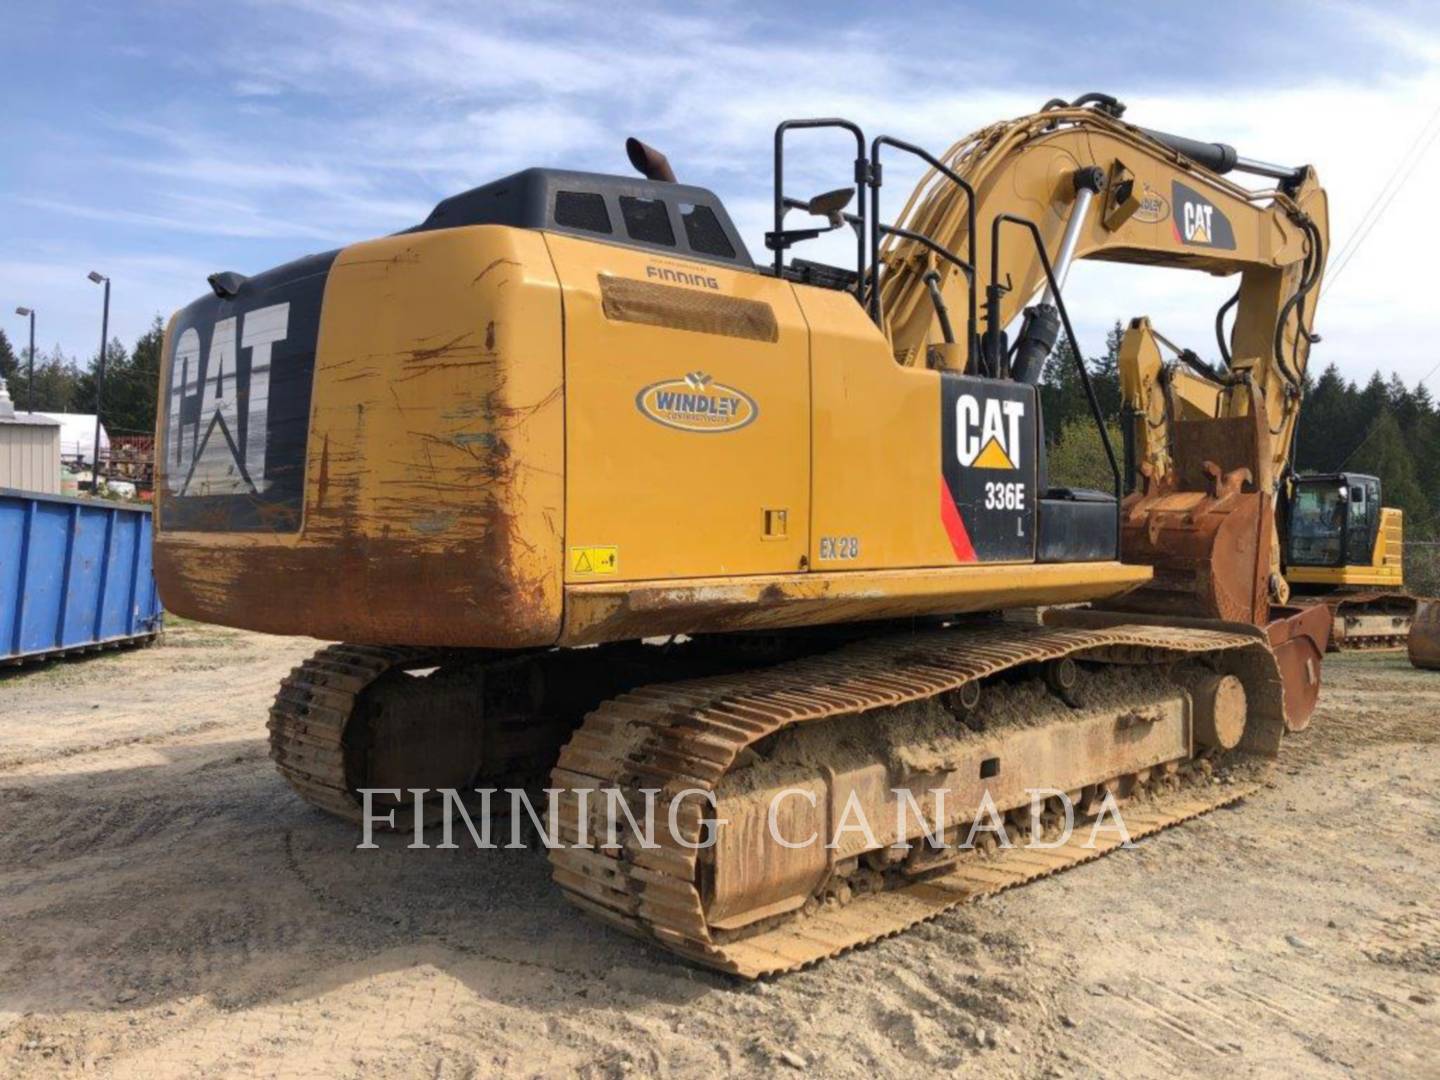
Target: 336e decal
x=1003, y=496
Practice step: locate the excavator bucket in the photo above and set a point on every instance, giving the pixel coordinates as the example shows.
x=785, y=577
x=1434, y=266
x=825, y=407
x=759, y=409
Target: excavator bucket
x=1207, y=525
x=1425, y=636
x=1298, y=637
x=1209, y=552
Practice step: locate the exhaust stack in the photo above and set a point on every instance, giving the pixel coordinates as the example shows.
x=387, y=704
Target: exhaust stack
x=649, y=162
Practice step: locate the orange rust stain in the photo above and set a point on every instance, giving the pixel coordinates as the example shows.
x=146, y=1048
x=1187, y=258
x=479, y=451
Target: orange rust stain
x=494, y=263
x=421, y=356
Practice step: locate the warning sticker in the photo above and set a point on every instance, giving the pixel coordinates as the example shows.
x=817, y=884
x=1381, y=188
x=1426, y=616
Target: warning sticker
x=595, y=560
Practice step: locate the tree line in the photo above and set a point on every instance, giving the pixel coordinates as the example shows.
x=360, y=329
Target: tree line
x=1384, y=429
x=132, y=378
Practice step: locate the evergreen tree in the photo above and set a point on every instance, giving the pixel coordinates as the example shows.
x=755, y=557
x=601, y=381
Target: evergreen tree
x=144, y=377
x=1105, y=372
x=1386, y=455
x=1374, y=400
x=1078, y=458
x=1062, y=397
x=1325, y=414
x=9, y=366
x=117, y=359
x=131, y=382
x=55, y=377
x=1400, y=401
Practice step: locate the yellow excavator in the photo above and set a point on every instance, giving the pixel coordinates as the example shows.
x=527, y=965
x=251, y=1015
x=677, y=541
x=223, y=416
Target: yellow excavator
x=1346, y=550
x=591, y=494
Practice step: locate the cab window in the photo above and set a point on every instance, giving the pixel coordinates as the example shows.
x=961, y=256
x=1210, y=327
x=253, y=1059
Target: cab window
x=1361, y=518
x=1317, y=525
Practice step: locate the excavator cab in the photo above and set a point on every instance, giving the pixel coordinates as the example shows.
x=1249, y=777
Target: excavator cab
x=1334, y=521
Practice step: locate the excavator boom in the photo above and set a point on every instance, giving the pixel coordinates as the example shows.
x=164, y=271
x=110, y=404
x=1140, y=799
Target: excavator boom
x=1208, y=456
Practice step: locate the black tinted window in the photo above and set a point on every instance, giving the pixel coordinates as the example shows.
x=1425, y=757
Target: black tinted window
x=703, y=231
x=647, y=220
x=582, y=210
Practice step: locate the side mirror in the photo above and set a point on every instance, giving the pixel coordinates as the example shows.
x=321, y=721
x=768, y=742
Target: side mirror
x=831, y=204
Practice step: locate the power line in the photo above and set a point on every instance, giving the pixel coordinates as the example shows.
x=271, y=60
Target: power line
x=1400, y=165
x=1408, y=163
x=1413, y=155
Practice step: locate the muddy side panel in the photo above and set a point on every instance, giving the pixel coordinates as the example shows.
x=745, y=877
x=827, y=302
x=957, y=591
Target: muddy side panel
x=368, y=446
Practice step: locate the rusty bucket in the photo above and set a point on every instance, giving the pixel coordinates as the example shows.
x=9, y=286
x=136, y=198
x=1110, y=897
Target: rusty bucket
x=1298, y=637
x=1210, y=548
x=1425, y=636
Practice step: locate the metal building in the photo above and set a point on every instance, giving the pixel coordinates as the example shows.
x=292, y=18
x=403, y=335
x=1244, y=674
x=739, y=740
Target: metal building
x=29, y=449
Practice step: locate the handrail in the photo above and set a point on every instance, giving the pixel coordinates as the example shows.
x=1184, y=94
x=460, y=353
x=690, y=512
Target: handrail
x=992, y=317
x=955, y=178
x=960, y=264
x=862, y=173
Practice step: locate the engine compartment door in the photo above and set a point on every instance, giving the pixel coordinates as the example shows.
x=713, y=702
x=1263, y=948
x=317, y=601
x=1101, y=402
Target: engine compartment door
x=687, y=417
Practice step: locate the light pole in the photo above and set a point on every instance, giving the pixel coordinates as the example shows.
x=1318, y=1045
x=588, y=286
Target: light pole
x=30, y=379
x=97, y=278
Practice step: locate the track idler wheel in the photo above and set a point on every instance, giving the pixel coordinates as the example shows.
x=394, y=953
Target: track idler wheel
x=1218, y=708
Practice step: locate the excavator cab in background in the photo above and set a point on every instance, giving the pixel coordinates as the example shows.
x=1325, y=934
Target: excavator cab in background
x=1339, y=534
x=1344, y=549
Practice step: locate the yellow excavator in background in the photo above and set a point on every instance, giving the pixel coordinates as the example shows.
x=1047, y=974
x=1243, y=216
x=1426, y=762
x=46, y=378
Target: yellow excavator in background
x=1335, y=544
x=1345, y=549
x=783, y=502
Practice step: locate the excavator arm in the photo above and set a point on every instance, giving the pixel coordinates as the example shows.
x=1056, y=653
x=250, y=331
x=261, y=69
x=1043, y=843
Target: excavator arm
x=1206, y=448
x=1098, y=188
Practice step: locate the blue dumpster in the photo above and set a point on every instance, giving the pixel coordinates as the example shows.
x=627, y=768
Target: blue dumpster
x=75, y=574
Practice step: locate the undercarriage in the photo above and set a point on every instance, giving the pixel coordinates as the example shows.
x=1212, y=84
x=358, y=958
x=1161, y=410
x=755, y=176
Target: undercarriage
x=821, y=790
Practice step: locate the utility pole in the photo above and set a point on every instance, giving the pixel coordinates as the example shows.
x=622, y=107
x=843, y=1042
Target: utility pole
x=30, y=379
x=100, y=379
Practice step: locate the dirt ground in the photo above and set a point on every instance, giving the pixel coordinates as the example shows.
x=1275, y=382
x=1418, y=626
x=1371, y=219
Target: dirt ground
x=168, y=908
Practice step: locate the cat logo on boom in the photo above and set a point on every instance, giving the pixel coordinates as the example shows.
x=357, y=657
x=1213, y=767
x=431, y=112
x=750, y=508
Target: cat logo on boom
x=1199, y=222
x=988, y=432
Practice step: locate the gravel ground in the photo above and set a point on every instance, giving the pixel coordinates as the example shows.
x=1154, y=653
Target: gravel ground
x=168, y=908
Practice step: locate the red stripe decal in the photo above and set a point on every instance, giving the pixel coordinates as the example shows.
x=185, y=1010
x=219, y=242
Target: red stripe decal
x=955, y=526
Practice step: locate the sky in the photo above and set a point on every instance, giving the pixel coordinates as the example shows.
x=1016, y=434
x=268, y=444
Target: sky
x=160, y=142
